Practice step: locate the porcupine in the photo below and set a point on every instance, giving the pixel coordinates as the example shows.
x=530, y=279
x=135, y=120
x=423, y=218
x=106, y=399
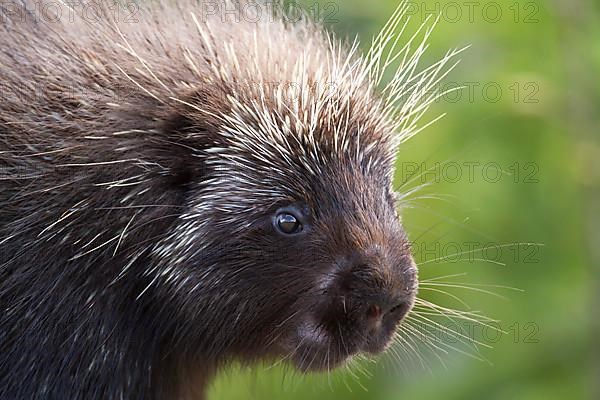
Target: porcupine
x=184, y=189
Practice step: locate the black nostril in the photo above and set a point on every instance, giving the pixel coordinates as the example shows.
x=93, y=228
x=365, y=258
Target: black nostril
x=399, y=310
x=397, y=307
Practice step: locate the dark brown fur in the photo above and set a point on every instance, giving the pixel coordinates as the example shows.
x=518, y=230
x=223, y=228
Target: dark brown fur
x=135, y=259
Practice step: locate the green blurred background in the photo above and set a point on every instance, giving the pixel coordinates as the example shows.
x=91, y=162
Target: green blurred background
x=516, y=161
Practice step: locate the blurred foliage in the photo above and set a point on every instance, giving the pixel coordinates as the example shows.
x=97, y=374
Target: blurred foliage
x=523, y=137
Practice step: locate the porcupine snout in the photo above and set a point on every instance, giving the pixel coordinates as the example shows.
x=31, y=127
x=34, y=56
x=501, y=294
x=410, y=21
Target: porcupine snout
x=367, y=295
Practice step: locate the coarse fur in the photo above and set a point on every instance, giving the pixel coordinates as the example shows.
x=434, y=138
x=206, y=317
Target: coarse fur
x=142, y=158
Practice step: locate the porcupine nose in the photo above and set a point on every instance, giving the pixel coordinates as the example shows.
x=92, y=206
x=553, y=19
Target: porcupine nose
x=375, y=294
x=392, y=309
x=382, y=317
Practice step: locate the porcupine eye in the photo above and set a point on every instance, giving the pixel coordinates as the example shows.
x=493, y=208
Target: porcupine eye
x=288, y=223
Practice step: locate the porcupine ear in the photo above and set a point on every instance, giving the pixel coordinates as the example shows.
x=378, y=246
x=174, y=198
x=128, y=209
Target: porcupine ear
x=180, y=143
x=173, y=131
x=191, y=128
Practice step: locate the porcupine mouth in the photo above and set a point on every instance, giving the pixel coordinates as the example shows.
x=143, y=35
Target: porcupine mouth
x=315, y=348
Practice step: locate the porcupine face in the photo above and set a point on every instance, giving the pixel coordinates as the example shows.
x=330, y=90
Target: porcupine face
x=349, y=245
x=306, y=256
